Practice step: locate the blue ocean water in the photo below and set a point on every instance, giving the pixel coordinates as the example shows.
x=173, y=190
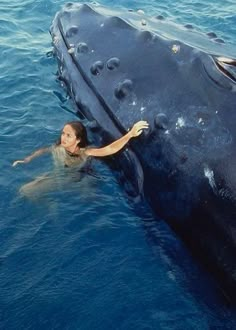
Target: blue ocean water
x=86, y=256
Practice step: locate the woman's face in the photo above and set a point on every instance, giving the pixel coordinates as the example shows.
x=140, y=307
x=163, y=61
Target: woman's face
x=68, y=138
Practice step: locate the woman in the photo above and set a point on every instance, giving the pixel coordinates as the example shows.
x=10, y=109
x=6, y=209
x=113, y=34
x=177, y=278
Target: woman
x=72, y=149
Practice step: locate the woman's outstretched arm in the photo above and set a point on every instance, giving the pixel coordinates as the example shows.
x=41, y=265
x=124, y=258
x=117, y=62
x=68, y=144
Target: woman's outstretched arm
x=35, y=154
x=117, y=145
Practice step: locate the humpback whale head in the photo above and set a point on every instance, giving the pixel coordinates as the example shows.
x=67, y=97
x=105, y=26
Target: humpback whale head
x=120, y=67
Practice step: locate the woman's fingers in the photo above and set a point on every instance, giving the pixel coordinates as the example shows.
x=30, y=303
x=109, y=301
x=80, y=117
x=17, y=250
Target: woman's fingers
x=139, y=127
x=17, y=162
x=142, y=124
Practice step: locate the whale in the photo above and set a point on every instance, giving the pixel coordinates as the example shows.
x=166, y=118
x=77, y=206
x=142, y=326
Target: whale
x=120, y=66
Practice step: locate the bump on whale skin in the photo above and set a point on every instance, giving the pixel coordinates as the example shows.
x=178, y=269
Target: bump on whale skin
x=118, y=71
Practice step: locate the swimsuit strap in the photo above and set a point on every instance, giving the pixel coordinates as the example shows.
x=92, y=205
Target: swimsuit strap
x=75, y=155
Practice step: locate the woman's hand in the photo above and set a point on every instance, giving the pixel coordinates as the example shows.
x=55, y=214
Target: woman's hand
x=18, y=162
x=138, y=128
x=35, y=154
x=26, y=160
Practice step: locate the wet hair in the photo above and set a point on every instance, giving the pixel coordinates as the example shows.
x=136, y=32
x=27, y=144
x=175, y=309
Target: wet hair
x=80, y=133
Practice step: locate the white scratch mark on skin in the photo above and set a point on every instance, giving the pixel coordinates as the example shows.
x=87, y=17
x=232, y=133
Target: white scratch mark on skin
x=140, y=11
x=71, y=50
x=180, y=123
x=56, y=40
x=200, y=121
x=175, y=49
x=209, y=174
x=225, y=59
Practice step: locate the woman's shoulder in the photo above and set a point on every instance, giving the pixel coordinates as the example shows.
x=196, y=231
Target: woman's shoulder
x=86, y=150
x=57, y=148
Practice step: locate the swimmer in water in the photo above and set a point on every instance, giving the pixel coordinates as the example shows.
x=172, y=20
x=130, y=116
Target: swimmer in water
x=72, y=148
